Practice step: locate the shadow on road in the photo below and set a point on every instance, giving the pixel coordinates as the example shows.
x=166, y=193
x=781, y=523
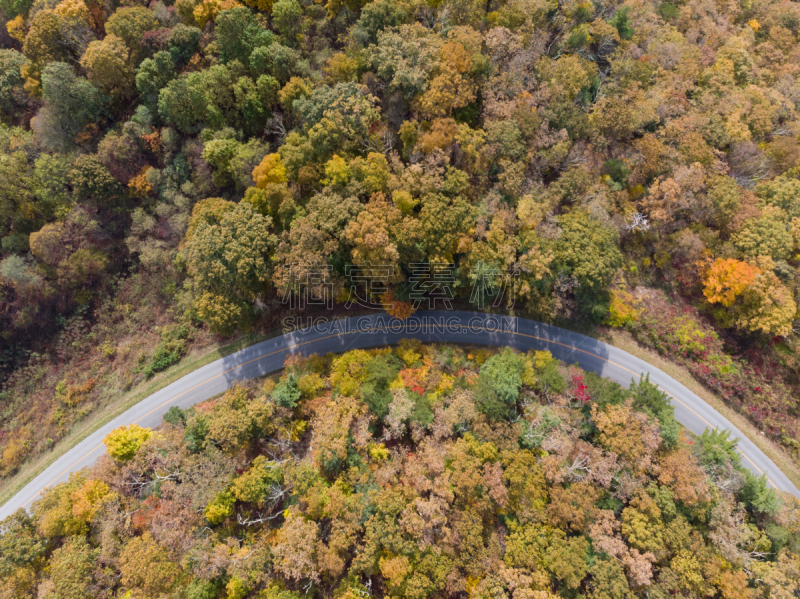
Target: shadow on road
x=380, y=330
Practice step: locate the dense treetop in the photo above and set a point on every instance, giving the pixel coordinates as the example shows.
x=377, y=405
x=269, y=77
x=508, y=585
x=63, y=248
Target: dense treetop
x=518, y=136
x=424, y=471
x=218, y=154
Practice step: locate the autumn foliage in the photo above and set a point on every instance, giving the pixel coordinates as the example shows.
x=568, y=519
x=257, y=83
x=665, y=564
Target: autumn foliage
x=727, y=279
x=395, y=477
x=201, y=165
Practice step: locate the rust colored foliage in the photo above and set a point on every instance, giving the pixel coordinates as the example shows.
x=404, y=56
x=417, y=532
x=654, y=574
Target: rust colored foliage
x=430, y=496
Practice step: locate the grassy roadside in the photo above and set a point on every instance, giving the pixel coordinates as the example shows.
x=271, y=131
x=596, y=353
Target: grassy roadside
x=623, y=340
x=108, y=412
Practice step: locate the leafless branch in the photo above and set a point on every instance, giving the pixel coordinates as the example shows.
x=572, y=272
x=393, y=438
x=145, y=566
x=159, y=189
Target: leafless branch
x=276, y=127
x=638, y=222
x=258, y=519
x=381, y=144
x=141, y=481
x=580, y=466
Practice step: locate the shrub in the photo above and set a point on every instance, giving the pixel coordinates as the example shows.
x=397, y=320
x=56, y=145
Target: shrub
x=751, y=378
x=623, y=309
x=175, y=416
x=172, y=347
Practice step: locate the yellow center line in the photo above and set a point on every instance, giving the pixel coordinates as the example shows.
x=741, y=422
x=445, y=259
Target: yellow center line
x=383, y=328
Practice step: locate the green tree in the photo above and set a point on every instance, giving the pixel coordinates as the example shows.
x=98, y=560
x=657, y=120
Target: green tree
x=622, y=22
x=182, y=103
x=20, y=545
x=434, y=236
x=588, y=251
x=70, y=103
x=238, y=419
x=651, y=400
x=234, y=161
x=253, y=100
x=725, y=199
x=232, y=255
x=255, y=485
x=12, y=95
x=92, y=181
x=146, y=566
x=12, y=8
x=16, y=197
x=230, y=259
x=609, y=581
x=717, y=449
x=287, y=393
x=572, y=81
x=757, y=496
x=238, y=33
x=337, y=117
x=71, y=569
x=287, y=16
x=183, y=42
x=51, y=182
x=381, y=371
x=279, y=61
x=499, y=383
x=767, y=306
x=767, y=235
x=782, y=192
x=378, y=16
x=153, y=75
x=566, y=558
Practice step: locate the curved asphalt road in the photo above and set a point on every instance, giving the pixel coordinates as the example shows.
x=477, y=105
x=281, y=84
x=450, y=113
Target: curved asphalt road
x=378, y=330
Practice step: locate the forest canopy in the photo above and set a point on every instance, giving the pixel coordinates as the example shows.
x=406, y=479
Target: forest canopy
x=551, y=142
x=392, y=473
x=176, y=172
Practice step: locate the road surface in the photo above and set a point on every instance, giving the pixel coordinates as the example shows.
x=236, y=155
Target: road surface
x=379, y=330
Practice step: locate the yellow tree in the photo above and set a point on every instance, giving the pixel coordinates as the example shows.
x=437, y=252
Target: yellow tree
x=270, y=170
x=768, y=306
x=452, y=88
x=371, y=238
x=727, y=279
x=123, y=442
x=106, y=63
